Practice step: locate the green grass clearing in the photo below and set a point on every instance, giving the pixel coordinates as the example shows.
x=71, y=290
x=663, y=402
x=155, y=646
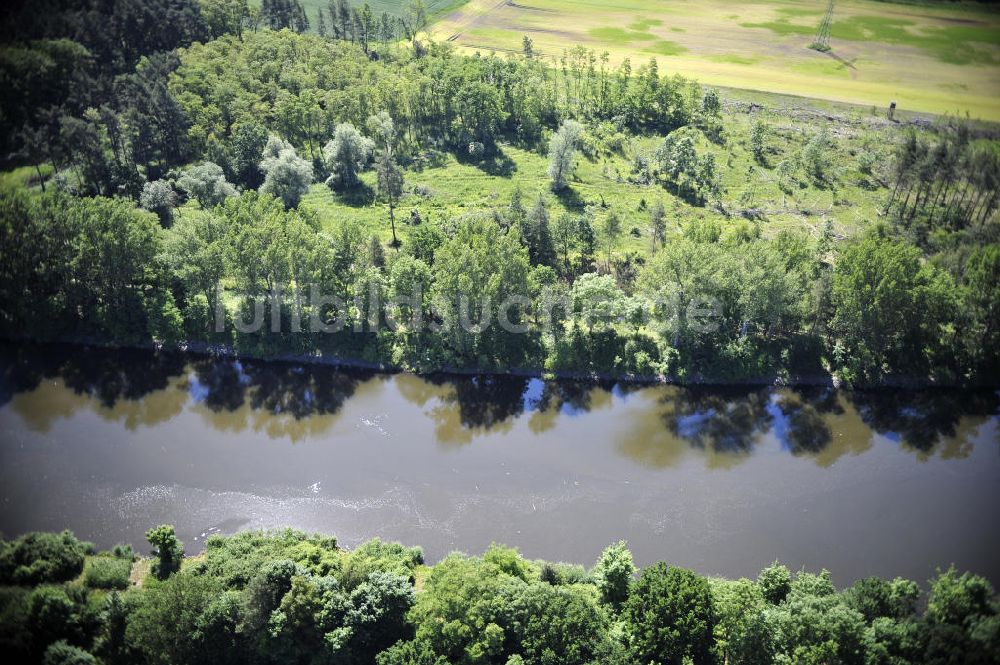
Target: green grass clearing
x=451, y=188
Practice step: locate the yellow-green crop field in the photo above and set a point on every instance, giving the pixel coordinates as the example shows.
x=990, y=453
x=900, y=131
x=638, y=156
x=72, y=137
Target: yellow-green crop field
x=931, y=57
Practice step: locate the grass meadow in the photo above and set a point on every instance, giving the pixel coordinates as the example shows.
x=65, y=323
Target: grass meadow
x=851, y=199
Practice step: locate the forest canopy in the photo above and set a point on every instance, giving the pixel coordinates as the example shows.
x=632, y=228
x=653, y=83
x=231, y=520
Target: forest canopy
x=291, y=597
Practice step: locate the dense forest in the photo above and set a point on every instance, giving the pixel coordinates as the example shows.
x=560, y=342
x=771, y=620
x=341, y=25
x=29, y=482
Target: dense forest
x=290, y=597
x=165, y=174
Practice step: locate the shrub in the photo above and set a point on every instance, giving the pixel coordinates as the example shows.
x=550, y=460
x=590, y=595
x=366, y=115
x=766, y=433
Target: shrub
x=235, y=560
x=569, y=573
x=815, y=156
x=377, y=556
x=758, y=141
x=107, y=573
x=37, y=558
x=62, y=653
x=866, y=162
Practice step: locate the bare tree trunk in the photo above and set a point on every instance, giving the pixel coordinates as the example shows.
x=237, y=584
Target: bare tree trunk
x=960, y=200
x=392, y=223
x=916, y=203
x=988, y=208
x=906, y=202
x=41, y=180
x=888, y=205
x=934, y=206
x=977, y=199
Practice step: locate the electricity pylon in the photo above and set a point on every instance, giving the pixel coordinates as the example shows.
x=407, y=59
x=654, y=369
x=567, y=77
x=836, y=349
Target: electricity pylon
x=822, y=41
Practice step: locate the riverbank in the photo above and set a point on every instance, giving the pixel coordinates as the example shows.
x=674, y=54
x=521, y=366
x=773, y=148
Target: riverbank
x=198, y=348
x=295, y=597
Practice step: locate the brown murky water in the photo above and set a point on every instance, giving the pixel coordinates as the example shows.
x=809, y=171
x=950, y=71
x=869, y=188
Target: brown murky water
x=720, y=480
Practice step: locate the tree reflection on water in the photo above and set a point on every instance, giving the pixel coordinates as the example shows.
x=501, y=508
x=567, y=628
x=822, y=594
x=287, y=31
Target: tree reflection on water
x=656, y=426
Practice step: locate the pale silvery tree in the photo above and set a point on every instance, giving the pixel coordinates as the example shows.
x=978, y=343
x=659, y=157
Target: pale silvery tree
x=348, y=153
x=159, y=197
x=562, y=151
x=286, y=175
x=207, y=183
x=390, y=176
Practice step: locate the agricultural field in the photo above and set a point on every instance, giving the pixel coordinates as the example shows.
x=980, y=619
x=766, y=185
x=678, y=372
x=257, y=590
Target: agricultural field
x=926, y=57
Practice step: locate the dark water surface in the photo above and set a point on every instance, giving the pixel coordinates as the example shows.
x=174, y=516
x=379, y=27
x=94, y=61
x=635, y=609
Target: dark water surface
x=720, y=480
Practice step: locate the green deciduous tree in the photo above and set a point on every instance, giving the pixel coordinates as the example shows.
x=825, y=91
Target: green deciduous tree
x=390, y=187
x=775, y=582
x=891, y=310
x=957, y=599
x=565, y=237
x=874, y=597
x=247, y=148
x=693, y=177
x=424, y=242
x=742, y=632
x=225, y=16
x=479, y=114
x=982, y=296
x=657, y=225
x=54, y=613
x=410, y=281
x=378, y=614
x=613, y=573
x=596, y=299
x=670, y=615
x=389, y=175
x=168, y=549
x=819, y=628
x=611, y=232
x=195, y=249
x=557, y=625
x=475, y=272
x=164, y=624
